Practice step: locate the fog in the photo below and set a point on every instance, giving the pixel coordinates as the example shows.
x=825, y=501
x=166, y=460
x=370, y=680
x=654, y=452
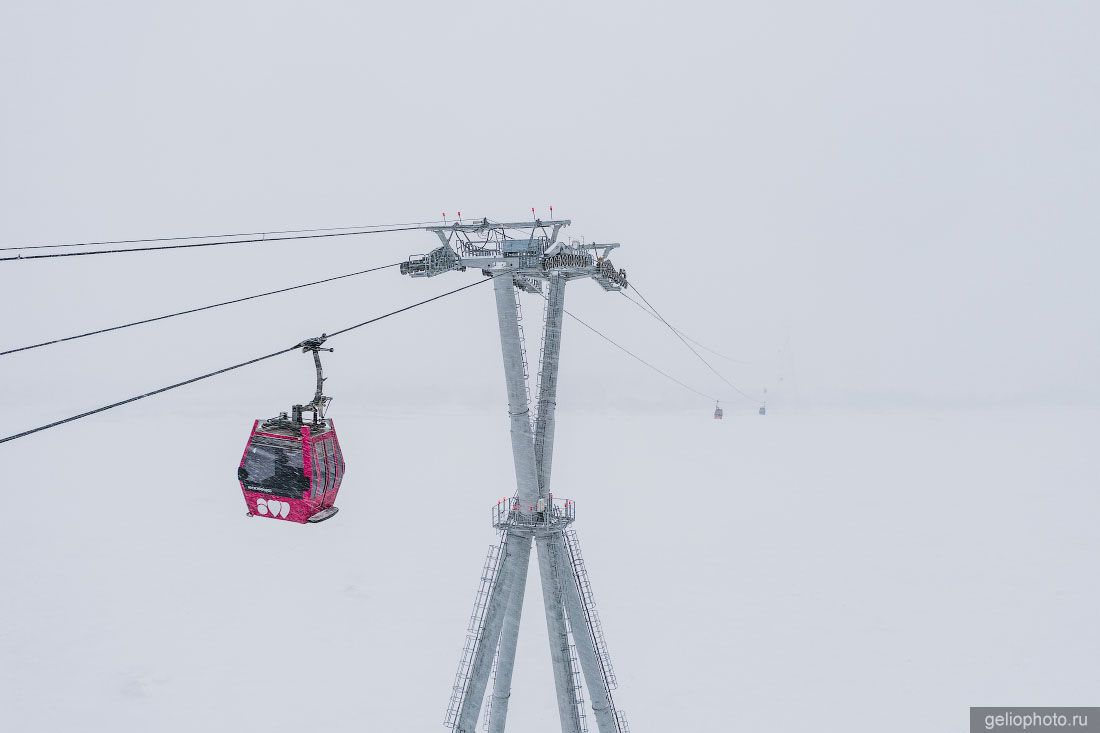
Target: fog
x=883, y=215
x=887, y=205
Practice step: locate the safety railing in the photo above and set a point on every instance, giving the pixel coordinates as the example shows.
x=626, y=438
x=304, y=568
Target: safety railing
x=552, y=513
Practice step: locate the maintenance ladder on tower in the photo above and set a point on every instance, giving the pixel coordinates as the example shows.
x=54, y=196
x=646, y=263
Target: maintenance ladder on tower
x=476, y=628
x=576, y=560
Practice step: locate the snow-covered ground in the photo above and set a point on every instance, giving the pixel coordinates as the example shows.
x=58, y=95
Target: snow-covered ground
x=802, y=571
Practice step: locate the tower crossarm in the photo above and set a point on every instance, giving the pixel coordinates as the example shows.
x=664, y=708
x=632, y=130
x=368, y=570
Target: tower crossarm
x=532, y=251
x=490, y=231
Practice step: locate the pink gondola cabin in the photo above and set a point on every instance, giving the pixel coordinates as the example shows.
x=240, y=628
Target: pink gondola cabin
x=292, y=467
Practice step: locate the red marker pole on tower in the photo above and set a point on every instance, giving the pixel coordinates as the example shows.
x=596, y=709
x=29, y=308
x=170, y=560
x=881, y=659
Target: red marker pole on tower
x=551, y=212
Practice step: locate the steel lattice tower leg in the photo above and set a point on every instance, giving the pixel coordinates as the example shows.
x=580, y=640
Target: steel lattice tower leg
x=555, y=616
x=518, y=547
x=506, y=649
x=566, y=598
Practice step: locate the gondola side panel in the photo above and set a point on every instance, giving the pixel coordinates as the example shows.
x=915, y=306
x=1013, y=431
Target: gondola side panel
x=286, y=493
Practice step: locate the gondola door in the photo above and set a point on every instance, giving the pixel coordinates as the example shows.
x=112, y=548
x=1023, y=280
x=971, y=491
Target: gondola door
x=324, y=471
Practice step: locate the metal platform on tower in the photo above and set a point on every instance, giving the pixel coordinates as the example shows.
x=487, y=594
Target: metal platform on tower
x=545, y=515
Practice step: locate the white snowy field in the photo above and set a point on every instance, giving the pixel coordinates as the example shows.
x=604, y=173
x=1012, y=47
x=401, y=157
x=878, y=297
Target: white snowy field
x=824, y=570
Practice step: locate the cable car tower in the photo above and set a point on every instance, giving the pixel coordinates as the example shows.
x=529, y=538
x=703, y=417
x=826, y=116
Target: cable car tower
x=527, y=257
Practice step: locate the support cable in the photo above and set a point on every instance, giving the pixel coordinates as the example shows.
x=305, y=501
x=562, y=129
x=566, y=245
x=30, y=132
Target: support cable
x=704, y=347
x=256, y=360
x=230, y=234
x=194, y=310
x=13, y=258
x=630, y=353
x=732, y=386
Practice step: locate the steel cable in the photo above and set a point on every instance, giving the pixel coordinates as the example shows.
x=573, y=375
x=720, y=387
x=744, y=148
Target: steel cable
x=732, y=386
x=194, y=310
x=14, y=258
x=208, y=375
x=704, y=347
x=231, y=234
x=630, y=353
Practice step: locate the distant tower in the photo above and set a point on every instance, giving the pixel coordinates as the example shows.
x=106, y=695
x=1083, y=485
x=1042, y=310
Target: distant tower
x=527, y=257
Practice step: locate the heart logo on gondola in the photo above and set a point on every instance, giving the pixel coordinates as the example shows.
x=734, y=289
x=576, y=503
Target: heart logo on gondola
x=273, y=507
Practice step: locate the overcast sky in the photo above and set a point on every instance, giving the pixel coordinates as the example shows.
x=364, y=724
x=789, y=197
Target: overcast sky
x=870, y=204
x=865, y=205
